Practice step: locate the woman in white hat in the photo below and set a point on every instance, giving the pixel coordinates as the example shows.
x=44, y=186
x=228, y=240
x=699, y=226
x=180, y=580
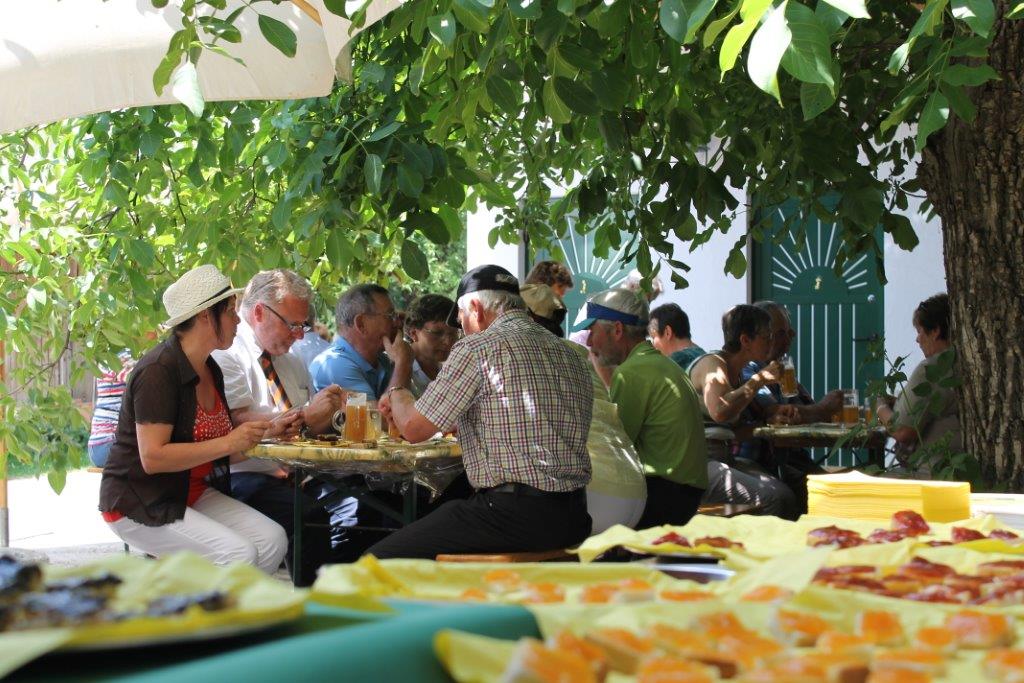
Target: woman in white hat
x=163, y=484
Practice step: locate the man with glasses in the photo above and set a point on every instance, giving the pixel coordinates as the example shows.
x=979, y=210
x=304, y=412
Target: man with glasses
x=362, y=357
x=431, y=338
x=264, y=380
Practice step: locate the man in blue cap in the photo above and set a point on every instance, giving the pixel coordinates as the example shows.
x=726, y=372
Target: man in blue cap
x=521, y=401
x=657, y=405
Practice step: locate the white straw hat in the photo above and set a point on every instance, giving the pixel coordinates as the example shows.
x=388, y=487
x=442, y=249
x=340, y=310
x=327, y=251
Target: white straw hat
x=195, y=291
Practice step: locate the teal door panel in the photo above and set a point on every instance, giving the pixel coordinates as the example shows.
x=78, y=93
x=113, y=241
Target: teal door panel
x=590, y=274
x=835, y=315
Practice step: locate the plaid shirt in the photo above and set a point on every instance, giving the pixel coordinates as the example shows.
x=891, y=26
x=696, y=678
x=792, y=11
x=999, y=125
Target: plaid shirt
x=522, y=401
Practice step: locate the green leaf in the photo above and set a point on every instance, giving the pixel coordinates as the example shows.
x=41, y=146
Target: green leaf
x=414, y=262
x=610, y=86
x=718, y=25
x=934, y=117
x=373, y=169
x=673, y=18
x=431, y=225
x=899, y=58
x=472, y=15
x=554, y=107
x=442, y=28
x=525, y=9
x=766, y=50
x=959, y=102
x=150, y=143
x=383, y=131
x=504, y=95
x=336, y=7
x=57, y=480
x=855, y=8
x=961, y=74
x=410, y=182
x=736, y=262
x=275, y=154
x=35, y=298
x=115, y=193
x=281, y=213
x=901, y=229
x=978, y=14
x=815, y=98
x=338, y=252
x=278, y=34
x=809, y=56
x=1017, y=12
x=548, y=28
x=751, y=12
x=576, y=96
x=185, y=88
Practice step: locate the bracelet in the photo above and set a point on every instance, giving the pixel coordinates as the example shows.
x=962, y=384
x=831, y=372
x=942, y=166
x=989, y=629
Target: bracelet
x=393, y=389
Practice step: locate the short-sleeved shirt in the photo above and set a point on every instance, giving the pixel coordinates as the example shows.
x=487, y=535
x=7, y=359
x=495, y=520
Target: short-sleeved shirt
x=662, y=415
x=685, y=357
x=309, y=347
x=247, y=388
x=161, y=390
x=110, y=386
x=522, y=402
x=933, y=415
x=341, y=364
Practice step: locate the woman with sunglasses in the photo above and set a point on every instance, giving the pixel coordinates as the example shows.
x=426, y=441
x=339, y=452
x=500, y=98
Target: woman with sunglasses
x=164, y=485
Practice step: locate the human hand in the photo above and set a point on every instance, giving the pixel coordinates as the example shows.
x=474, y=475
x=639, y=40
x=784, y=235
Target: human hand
x=770, y=374
x=246, y=435
x=329, y=400
x=832, y=402
x=785, y=415
x=398, y=350
x=286, y=424
x=384, y=404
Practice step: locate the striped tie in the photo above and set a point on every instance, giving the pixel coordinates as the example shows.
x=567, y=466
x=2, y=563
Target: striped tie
x=274, y=382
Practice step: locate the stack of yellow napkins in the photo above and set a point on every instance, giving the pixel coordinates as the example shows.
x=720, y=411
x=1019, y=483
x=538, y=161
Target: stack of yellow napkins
x=856, y=495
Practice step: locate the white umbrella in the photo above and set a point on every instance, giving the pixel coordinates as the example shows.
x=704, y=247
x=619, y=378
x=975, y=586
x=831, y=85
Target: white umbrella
x=65, y=58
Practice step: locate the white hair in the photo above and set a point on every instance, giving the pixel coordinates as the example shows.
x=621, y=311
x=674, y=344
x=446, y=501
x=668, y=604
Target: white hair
x=494, y=301
x=272, y=286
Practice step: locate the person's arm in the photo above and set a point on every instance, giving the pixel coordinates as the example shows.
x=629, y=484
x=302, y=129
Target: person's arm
x=400, y=353
x=159, y=454
x=320, y=410
x=823, y=410
x=906, y=409
x=724, y=403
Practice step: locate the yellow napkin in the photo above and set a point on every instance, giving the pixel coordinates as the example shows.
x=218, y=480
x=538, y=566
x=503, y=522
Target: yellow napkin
x=857, y=495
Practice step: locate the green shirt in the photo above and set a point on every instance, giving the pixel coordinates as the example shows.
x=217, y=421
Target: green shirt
x=686, y=357
x=661, y=414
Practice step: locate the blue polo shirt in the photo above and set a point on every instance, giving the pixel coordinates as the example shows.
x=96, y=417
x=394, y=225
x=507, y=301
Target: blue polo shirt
x=342, y=365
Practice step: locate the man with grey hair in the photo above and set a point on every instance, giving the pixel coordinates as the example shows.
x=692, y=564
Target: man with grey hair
x=657, y=405
x=362, y=356
x=263, y=380
x=522, y=402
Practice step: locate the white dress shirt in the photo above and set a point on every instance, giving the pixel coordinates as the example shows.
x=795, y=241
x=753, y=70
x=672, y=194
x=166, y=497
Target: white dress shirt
x=246, y=386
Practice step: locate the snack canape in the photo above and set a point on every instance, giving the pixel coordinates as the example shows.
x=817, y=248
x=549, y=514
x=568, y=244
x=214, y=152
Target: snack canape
x=909, y=523
x=961, y=534
x=567, y=641
x=845, y=643
x=717, y=542
x=673, y=538
x=543, y=593
x=623, y=649
x=719, y=624
x=879, y=627
x=833, y=535
x=980, y=630
x=532, y=662
x=898, y=676
x=694, y=645
x=686, y=596
x=672, y=670
x=749, y=649
x=938, y=638
x=885, y=536
x=473, y=594
x=1000, y=568
x=1004, y=535
x=598, y=593
x=1005, y=665
x=502, y=580
x=927, y=662
x=633, y=590
x=767, y=593
x=798, y=628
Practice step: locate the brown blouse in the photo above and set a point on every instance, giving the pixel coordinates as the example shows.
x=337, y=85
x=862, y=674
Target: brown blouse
x=160, y=390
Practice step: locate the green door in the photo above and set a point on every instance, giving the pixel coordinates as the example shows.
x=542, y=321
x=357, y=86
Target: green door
x=835, y=316
x=590, y=274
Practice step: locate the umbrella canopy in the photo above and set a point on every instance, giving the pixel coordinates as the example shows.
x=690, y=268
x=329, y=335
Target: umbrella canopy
x=62, y=59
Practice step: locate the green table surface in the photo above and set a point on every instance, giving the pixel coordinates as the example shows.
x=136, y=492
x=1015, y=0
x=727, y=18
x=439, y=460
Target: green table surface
x=326, y=643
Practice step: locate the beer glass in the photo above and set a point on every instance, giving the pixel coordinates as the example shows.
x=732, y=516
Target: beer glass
x=355, y=417
x=788, y=381
x=851, y=407
x=373, y=418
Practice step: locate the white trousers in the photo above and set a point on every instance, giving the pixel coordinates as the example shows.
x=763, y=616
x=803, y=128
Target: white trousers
x=219, y=528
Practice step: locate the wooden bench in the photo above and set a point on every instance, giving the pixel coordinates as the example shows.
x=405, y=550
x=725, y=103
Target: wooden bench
x=544, y=556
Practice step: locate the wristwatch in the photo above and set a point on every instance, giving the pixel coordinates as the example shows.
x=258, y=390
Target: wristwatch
x=392, y=389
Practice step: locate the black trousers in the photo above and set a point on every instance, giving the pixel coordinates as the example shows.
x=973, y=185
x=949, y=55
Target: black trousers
x=493, y=522
x=669, y=503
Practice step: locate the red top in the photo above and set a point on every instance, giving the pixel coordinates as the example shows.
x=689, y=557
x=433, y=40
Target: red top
x=209, y=425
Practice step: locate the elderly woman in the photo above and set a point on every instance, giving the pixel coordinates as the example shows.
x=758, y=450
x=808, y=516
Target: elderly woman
x=919, y=420
x=162, y=485
x=731, y=412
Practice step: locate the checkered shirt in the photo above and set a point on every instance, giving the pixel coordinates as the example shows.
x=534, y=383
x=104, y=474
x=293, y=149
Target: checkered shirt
x=522, y=402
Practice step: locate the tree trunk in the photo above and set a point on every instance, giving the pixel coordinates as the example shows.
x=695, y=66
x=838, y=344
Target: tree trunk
x=974, y=176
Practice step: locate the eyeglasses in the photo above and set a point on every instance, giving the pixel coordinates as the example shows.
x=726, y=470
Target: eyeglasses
x=449, y=333
x=303, y=327
x=393, y=316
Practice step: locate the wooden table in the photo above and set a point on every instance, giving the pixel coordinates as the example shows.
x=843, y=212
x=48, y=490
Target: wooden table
x=433, y=464
x=828, y=435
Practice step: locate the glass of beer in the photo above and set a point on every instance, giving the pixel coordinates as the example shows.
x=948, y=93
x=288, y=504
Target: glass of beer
x=373, y=420
x=851, y=407
x=869, y=413
x=788, y=381
x=355, y=417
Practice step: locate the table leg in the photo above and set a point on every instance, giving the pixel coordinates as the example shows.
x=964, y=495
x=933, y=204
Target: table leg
x=297, y=521
x=409, y=504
